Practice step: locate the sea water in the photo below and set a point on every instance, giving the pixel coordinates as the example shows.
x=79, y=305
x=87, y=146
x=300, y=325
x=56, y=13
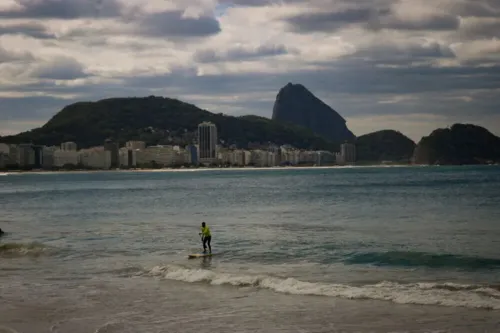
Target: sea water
x=362, y=249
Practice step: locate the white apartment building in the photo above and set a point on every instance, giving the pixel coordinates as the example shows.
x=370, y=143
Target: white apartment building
x=182, y=157
x=48, y=156
x=63, y=157
x=69, y=146
x=96, y=158
x=207, y=142
x=163, y=155
x=347, y=153
x=240, y=157
x=263, y=158
x=4, y=148
x=8, y=154
x=290, y=155
x=324, y=157
x=127, y=157
x=25, y=155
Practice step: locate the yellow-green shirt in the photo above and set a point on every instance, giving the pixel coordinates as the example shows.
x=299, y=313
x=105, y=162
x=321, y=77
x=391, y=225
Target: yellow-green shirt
x=205, y=231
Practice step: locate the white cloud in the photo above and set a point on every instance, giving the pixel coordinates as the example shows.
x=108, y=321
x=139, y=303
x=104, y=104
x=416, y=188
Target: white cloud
x=379, y=63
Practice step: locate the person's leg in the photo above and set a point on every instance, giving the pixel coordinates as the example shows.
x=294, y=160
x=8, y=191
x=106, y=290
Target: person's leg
x=204, y=244
x=209, y=246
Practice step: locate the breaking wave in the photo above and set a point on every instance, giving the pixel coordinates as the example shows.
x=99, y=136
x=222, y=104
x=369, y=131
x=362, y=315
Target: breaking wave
x=23, y=249
x=411, y=259
x=443, y=294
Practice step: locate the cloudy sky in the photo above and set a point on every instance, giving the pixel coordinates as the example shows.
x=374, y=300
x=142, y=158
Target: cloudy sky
x=409, y=65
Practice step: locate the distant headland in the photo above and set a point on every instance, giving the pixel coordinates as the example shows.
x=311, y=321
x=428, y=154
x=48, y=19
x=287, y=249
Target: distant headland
x=303, y=131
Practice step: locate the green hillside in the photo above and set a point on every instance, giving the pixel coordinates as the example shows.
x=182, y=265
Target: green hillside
x=460, y=144
x=159, y=120
x=386, y=145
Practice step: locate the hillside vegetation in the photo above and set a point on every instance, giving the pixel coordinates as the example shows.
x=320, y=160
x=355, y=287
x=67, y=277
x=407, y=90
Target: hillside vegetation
x=386, y=145
x=460, y=144
x=159, y=120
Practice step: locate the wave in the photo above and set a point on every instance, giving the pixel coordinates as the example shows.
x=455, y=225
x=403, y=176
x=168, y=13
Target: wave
x=23, y=249
x=443, y=294
x=411, y=259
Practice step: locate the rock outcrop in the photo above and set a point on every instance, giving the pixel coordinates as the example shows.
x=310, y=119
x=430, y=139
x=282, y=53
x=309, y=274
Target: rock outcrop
x=297, y=105
x=460, y=144
x=384, y=146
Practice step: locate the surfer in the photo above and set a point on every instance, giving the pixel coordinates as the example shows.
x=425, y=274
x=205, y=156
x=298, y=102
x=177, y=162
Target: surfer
x=206, y=237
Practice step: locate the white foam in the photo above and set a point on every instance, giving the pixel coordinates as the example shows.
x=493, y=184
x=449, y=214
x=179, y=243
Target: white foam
x=444, y=294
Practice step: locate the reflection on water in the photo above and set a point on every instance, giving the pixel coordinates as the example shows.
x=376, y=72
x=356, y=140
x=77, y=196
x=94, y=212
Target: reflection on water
x=206, y=263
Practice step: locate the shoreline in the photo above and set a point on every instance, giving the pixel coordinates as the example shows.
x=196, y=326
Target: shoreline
x=208, y=169
x=14, y=172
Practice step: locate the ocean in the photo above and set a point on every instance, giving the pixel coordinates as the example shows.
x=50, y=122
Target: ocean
x=347, y=249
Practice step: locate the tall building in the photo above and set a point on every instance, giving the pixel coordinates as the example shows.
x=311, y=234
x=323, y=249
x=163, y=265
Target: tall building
x=26, y=155
x=348, y=153
x=207, y=141
x=38, y=158
x=69, y=146
x=192, y=152
x=112, y=147
x=4, y=148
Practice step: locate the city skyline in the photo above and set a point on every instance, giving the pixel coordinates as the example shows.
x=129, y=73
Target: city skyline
x=412, y=66
x=206, y=151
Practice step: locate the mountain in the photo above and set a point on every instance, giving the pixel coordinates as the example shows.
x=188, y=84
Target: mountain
x=386, y=145
x=296, y=105
x=460, y=144
x=159, y=120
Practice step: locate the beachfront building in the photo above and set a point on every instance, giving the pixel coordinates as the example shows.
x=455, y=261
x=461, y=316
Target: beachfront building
x=192, y=154
x=96, y=158
x=263, y=158
x=127, y=157
x=347, y=153
x=48, y=156
x=324, y=158
x=207, y=141
x=157, y=155
x=25, y=155
x=9, y=154
x=61, y=157
x=290, y=156
x=4, y=159
x=69, y=146
x=4, y=148
x=112, y=147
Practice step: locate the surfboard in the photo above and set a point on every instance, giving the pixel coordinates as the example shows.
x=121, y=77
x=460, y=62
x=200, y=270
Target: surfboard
x=200, y=255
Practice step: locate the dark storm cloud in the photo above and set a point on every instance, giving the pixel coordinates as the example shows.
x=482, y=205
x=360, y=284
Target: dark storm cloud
x=28, y=29
x=63, y=9
x=238, y=53
x=329, y=21
x=173, y=24
x=435, y=23
x=60, y=69
x=257, y=3
x=402, y=54
x=370, y=18
x=481, y=29
x=478, y=8
x=350, y=87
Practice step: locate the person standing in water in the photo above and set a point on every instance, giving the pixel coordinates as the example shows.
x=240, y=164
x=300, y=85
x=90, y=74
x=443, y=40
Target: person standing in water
x=206, y=237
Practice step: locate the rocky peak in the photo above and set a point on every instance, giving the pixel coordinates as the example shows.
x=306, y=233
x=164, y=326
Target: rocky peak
x=297, y=105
